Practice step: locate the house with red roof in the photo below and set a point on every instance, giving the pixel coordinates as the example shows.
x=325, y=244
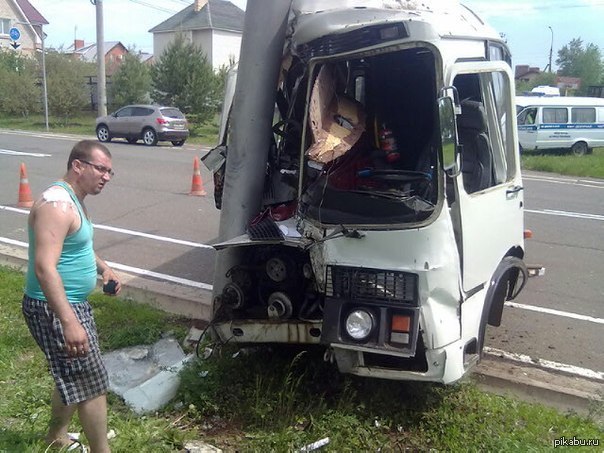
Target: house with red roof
x=23, y=16
x=114, y=53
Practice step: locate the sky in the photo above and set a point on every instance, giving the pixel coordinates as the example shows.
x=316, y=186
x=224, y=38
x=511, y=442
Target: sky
x=530, y=26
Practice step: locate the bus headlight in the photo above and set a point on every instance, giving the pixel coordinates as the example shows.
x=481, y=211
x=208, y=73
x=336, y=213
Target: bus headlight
x=359, y=324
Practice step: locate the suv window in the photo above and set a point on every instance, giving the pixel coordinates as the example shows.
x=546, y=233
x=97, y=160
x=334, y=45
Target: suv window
x=126, y=111
x=142, y=111
x=172, y=113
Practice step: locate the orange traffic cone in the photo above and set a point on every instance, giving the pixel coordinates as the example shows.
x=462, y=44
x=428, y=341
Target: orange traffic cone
x=25, y=198
x=197, y=184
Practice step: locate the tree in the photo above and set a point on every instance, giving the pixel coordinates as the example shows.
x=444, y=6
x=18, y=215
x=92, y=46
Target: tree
x=131, y=83
x=543, y=78
x=183, y=77
x=66, y=83
x=19, y=92
x=574, y=60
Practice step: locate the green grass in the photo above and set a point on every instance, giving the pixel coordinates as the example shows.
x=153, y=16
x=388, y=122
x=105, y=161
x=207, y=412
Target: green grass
x=591, y=165
x=26, y=383
x=265, y=399
x=84, y=124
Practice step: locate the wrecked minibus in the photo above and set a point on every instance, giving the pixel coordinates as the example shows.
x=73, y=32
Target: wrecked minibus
x=390, y=230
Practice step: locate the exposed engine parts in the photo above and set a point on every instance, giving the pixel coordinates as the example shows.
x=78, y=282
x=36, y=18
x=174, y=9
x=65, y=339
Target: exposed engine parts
x=275, y=282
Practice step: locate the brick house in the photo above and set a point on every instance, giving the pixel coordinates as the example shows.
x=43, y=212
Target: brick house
x=525, y=73
x=215, y=26
x=114, y=53
x=22, y=15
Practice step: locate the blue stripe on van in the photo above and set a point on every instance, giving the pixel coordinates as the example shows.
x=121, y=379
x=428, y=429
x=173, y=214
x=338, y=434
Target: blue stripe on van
x=571, y=126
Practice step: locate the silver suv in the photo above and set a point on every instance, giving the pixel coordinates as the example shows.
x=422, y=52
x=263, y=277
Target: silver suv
x=149, y=123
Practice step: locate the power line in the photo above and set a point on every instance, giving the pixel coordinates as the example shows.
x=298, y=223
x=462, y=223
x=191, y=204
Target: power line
x=155, y=7
x=182, y=2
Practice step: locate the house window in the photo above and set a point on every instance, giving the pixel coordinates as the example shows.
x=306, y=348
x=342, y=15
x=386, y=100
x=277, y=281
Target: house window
x=4, y=26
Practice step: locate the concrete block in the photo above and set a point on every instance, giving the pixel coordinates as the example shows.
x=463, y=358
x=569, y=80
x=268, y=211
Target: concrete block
x=146, y=376
x=156, y=392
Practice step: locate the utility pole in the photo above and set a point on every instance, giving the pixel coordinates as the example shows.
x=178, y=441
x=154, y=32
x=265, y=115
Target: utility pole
x=44, y=79
x=262, y=43
x=101, y=97
x=551, y=48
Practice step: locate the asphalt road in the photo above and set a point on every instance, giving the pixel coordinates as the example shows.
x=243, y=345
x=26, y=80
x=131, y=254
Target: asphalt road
x=559, y=317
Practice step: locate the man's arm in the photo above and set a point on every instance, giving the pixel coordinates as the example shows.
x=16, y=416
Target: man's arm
x=51, y=225
x=107, y=273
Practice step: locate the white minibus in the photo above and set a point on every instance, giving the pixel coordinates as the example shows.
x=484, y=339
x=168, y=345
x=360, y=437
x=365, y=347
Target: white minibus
x=549, y=123
x=389, y=224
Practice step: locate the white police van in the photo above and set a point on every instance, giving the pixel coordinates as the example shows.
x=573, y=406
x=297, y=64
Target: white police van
x=548, y=123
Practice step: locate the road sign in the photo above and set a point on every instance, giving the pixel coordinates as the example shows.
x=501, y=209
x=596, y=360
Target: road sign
x=14, y=34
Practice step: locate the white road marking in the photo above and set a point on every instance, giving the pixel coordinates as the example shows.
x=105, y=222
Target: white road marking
x=551, y=311
x=576, y=215
x=50, y=135
x=131, y=269
x=170, y=278
x=14, y=242
x=153, y=236
x=10, y=152
x=525, y=359
x=595, y=184
x=126, y=231
x=75, y=138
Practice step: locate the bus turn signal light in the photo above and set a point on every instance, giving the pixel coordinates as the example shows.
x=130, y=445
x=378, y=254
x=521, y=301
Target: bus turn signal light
x=401, y=323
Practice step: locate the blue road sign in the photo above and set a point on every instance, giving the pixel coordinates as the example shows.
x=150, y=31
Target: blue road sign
x=14, y=34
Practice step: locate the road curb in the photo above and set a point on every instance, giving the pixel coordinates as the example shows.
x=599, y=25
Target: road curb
x=563, y=391
x=191, y=302
x=557, y=389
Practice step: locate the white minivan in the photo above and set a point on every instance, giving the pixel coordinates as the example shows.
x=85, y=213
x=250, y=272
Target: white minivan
x=574, y=123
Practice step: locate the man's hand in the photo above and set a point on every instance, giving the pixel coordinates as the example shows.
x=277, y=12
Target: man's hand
x=76, y=339
x=108, y=275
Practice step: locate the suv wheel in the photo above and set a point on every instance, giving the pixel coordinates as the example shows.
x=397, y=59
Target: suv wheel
x=178, y=142
x=149, y=137
x=102, y=133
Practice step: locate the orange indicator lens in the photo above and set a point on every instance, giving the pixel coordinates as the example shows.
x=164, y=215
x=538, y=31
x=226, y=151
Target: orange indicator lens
x=401, y=323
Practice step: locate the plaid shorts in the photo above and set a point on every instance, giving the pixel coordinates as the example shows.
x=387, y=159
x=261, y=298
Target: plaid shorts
x=77, y=378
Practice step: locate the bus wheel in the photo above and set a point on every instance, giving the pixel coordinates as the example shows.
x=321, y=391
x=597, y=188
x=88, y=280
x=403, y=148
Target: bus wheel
x=580, y=149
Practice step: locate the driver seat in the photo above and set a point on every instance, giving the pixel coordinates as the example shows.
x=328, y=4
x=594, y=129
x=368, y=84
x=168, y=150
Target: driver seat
x=476, y=152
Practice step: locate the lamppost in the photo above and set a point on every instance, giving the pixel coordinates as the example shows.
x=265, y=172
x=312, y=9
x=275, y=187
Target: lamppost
x=44, y=86
x=551, y=48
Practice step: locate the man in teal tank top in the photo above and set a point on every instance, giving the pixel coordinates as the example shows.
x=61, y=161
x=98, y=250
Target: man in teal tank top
x=62, y=272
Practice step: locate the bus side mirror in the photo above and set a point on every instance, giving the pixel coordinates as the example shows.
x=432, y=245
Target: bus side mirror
x=448, y=136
